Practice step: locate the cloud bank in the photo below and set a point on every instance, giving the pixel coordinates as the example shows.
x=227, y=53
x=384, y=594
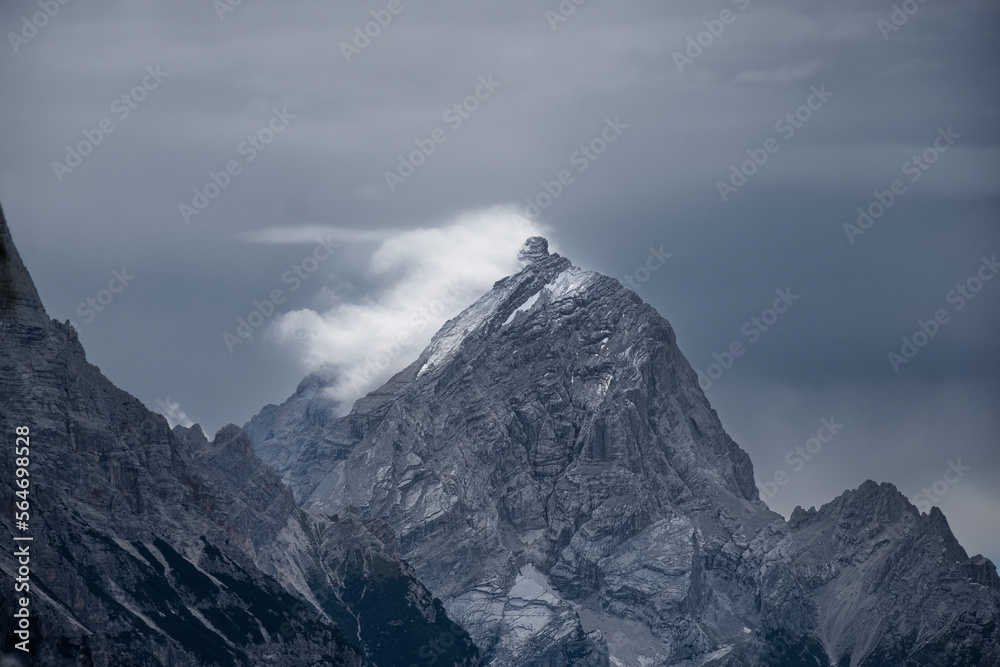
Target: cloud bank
x=429, y=275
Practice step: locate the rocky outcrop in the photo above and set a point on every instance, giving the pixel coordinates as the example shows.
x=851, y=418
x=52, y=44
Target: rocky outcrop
x=867, y=581
x=535, y=249
x=298, y=429
x=555, y=475
x=160, y=547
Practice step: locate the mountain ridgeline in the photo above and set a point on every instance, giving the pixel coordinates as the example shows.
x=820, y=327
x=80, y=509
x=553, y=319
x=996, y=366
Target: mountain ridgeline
x=545, y=486
x=553, y=472
x=153, y=546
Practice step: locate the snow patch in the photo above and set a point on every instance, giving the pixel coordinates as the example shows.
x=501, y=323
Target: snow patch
x=529, y=537
x=570, y=282
x=204, y=621
x=524, y=307
x=156, y=554
x=715, y=655
x=446, y=341
x=119, y=596
x=532, y=604
x=527, y=621
x=533, y=585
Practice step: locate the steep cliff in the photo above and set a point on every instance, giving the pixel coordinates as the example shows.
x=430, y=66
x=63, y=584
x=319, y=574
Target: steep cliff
x=153, y=547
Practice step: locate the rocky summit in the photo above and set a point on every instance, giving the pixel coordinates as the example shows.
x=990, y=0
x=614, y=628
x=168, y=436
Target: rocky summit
x=153, y=546
x=552, y=471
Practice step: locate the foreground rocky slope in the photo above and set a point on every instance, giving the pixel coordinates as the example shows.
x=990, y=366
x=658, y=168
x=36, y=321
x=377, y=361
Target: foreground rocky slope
x=154, y=547
x=556, y=475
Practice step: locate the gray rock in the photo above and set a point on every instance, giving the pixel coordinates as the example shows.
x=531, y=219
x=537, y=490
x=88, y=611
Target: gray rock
x=555, y=475
x=160, y=547
x=535, y=249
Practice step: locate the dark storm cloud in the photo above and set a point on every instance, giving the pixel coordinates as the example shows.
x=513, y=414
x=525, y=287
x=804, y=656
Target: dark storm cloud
x=688, y=123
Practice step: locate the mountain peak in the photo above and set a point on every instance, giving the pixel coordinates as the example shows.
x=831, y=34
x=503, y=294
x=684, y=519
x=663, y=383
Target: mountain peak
x=551, y=468
x=534, y=249
x=19, y=299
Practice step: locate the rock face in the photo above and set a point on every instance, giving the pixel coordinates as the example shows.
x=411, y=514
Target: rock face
x=159, y=547
x=556, y=476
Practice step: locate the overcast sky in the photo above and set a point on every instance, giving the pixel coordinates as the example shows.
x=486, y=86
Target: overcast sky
x=645, y=107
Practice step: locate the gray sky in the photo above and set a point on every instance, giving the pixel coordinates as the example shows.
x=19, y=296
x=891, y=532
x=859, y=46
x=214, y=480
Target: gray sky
x=404, y=253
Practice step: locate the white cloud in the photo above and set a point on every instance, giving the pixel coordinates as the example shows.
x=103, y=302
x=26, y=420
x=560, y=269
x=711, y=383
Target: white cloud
x=172, y=411
x=432, y=275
